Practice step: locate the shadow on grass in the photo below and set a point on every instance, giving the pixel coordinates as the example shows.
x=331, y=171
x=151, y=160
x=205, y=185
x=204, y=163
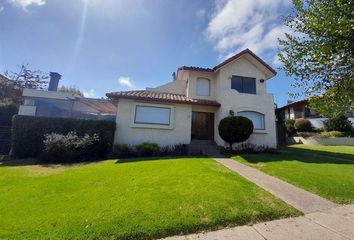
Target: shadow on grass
x=156, y=158
x=301, y=155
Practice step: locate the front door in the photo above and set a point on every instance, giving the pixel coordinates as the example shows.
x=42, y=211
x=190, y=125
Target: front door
x=203, y=125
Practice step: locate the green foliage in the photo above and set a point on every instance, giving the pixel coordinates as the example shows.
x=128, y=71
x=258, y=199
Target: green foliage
x=7, y=111
x=29, y=132
x=235, y=129
x=147, y=149
x=331, y=134
x=302, y=125
x=304, y=134
x=71, y=89
x=67, y=148
x=289, y=125
x=9, y=91
x=338, y=123
x=319, y=53
x=123, y=151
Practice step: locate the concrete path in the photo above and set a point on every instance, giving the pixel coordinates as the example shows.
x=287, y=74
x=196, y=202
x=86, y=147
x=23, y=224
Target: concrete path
x=334, y=224
x=300, y=199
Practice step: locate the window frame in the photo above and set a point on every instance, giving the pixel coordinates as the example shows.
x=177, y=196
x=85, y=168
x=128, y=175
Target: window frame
x=135, y=124
x=243, y=78
x=209, y=86
x=262, y=114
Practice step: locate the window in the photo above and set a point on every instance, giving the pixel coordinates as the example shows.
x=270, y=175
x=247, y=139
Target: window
x=152, y=115
x=243, y=84
x=203, y=87
x=256, y=118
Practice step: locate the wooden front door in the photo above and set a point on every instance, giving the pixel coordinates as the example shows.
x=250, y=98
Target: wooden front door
x=203, y=125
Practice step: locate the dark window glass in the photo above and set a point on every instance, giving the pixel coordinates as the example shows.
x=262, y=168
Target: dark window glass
x=243, y=84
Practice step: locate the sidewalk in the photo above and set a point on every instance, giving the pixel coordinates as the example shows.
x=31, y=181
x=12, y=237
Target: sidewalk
x=332, y=224
x=323, y=220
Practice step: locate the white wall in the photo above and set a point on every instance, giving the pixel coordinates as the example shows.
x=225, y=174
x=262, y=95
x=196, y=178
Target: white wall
x=125, y=133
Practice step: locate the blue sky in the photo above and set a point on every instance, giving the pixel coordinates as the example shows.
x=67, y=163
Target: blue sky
x=110, y=45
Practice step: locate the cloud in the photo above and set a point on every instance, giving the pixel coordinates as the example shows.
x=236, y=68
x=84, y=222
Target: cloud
x=90, y=94
x=1, y=9
x=201, y=14
x=126, y=81
x=27, y=3
x=254, y=24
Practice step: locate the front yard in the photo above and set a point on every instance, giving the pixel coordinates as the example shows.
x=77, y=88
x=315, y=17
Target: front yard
x=325, y=170
x=129, y=200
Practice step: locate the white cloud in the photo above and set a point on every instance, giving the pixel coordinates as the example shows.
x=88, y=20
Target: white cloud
x=200, y=14
x=26, y=3
x=126, y=81
x=1, y=9
x=90, y=94
x=239, y=24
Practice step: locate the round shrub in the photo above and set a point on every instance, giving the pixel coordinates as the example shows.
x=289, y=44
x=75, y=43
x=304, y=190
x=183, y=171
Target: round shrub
x=147, y=149
x=235, y=129
x=340, y=123
x=302, y=125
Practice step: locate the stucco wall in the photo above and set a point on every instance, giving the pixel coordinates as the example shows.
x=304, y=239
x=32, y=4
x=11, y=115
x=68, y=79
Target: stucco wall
x=180, y=132
x=332, y=141
x=177, y=86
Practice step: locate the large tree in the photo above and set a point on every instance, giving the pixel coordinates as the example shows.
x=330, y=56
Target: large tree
x=71, y=89
x=319, y=53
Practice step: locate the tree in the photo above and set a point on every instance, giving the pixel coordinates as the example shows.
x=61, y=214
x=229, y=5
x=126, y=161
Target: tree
x=319, y=53
x=9, y=92
x=235, y=129
x=27, y=78
x=71, y=89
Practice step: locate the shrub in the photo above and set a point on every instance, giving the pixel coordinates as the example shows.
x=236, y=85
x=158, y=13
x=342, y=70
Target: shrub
x=68, y=148
x=289, y=125
x=147, y=149
x=340, y=123
x=305, y=134
x=7, y=111
x=235, y=129
x=249, y=148
x=29, y=132
x=331, y=134
x=174, y=150
x=123, y=151
x=302, y=125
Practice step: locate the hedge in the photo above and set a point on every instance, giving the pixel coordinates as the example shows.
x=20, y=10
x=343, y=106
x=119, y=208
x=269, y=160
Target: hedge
x=28, y=133
x=7, y=111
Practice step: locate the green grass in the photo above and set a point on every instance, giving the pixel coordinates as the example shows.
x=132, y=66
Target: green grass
x=129, y=200
x=326, y=171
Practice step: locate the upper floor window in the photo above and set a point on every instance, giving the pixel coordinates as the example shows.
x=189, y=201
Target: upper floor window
x=243, y=84
x=256, y=118
x=152, y=115
x=203, y=87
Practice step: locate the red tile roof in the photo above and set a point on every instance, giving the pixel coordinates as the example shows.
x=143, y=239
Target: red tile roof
x=103, y=106
x=238, y=55
x=163, y=97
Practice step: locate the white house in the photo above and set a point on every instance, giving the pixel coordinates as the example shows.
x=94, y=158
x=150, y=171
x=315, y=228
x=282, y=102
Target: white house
x=191, y=106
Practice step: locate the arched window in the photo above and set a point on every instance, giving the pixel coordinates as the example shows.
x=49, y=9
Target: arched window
x=203, y=87
x=256, y=118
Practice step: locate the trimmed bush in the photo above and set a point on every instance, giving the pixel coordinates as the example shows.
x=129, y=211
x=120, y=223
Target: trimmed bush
x=302, y=125
x=147, y=149
x=123, y=151
x=29, y=132
x=331, y=134
x=7, y=111
x=68, y=148
x=340, y=123
x=289, y=126
x=235, y=129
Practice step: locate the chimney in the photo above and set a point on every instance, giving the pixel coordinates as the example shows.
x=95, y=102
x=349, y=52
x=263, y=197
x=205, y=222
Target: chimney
x=54, y=81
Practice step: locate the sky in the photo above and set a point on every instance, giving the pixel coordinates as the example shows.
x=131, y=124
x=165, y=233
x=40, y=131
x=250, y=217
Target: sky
x=102, y=46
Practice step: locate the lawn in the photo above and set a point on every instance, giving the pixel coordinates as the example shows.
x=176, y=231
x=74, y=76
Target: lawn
x=129, y=200
x=326, y=171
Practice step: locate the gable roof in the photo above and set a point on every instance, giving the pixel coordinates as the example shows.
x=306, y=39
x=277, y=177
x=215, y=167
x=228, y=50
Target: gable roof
x=236, y=56
x=161, y=97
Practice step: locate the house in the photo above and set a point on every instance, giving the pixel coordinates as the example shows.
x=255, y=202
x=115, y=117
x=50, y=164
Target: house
x=300, y=109
x=192, y=105
x=53, y=103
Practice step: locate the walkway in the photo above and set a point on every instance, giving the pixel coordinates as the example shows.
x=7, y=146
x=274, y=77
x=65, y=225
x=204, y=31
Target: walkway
x=323, y=220
x=333, y=224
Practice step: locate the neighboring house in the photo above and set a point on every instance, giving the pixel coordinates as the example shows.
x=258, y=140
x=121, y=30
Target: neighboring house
x=192, y=105
x=53, y=103
x=300, y=109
